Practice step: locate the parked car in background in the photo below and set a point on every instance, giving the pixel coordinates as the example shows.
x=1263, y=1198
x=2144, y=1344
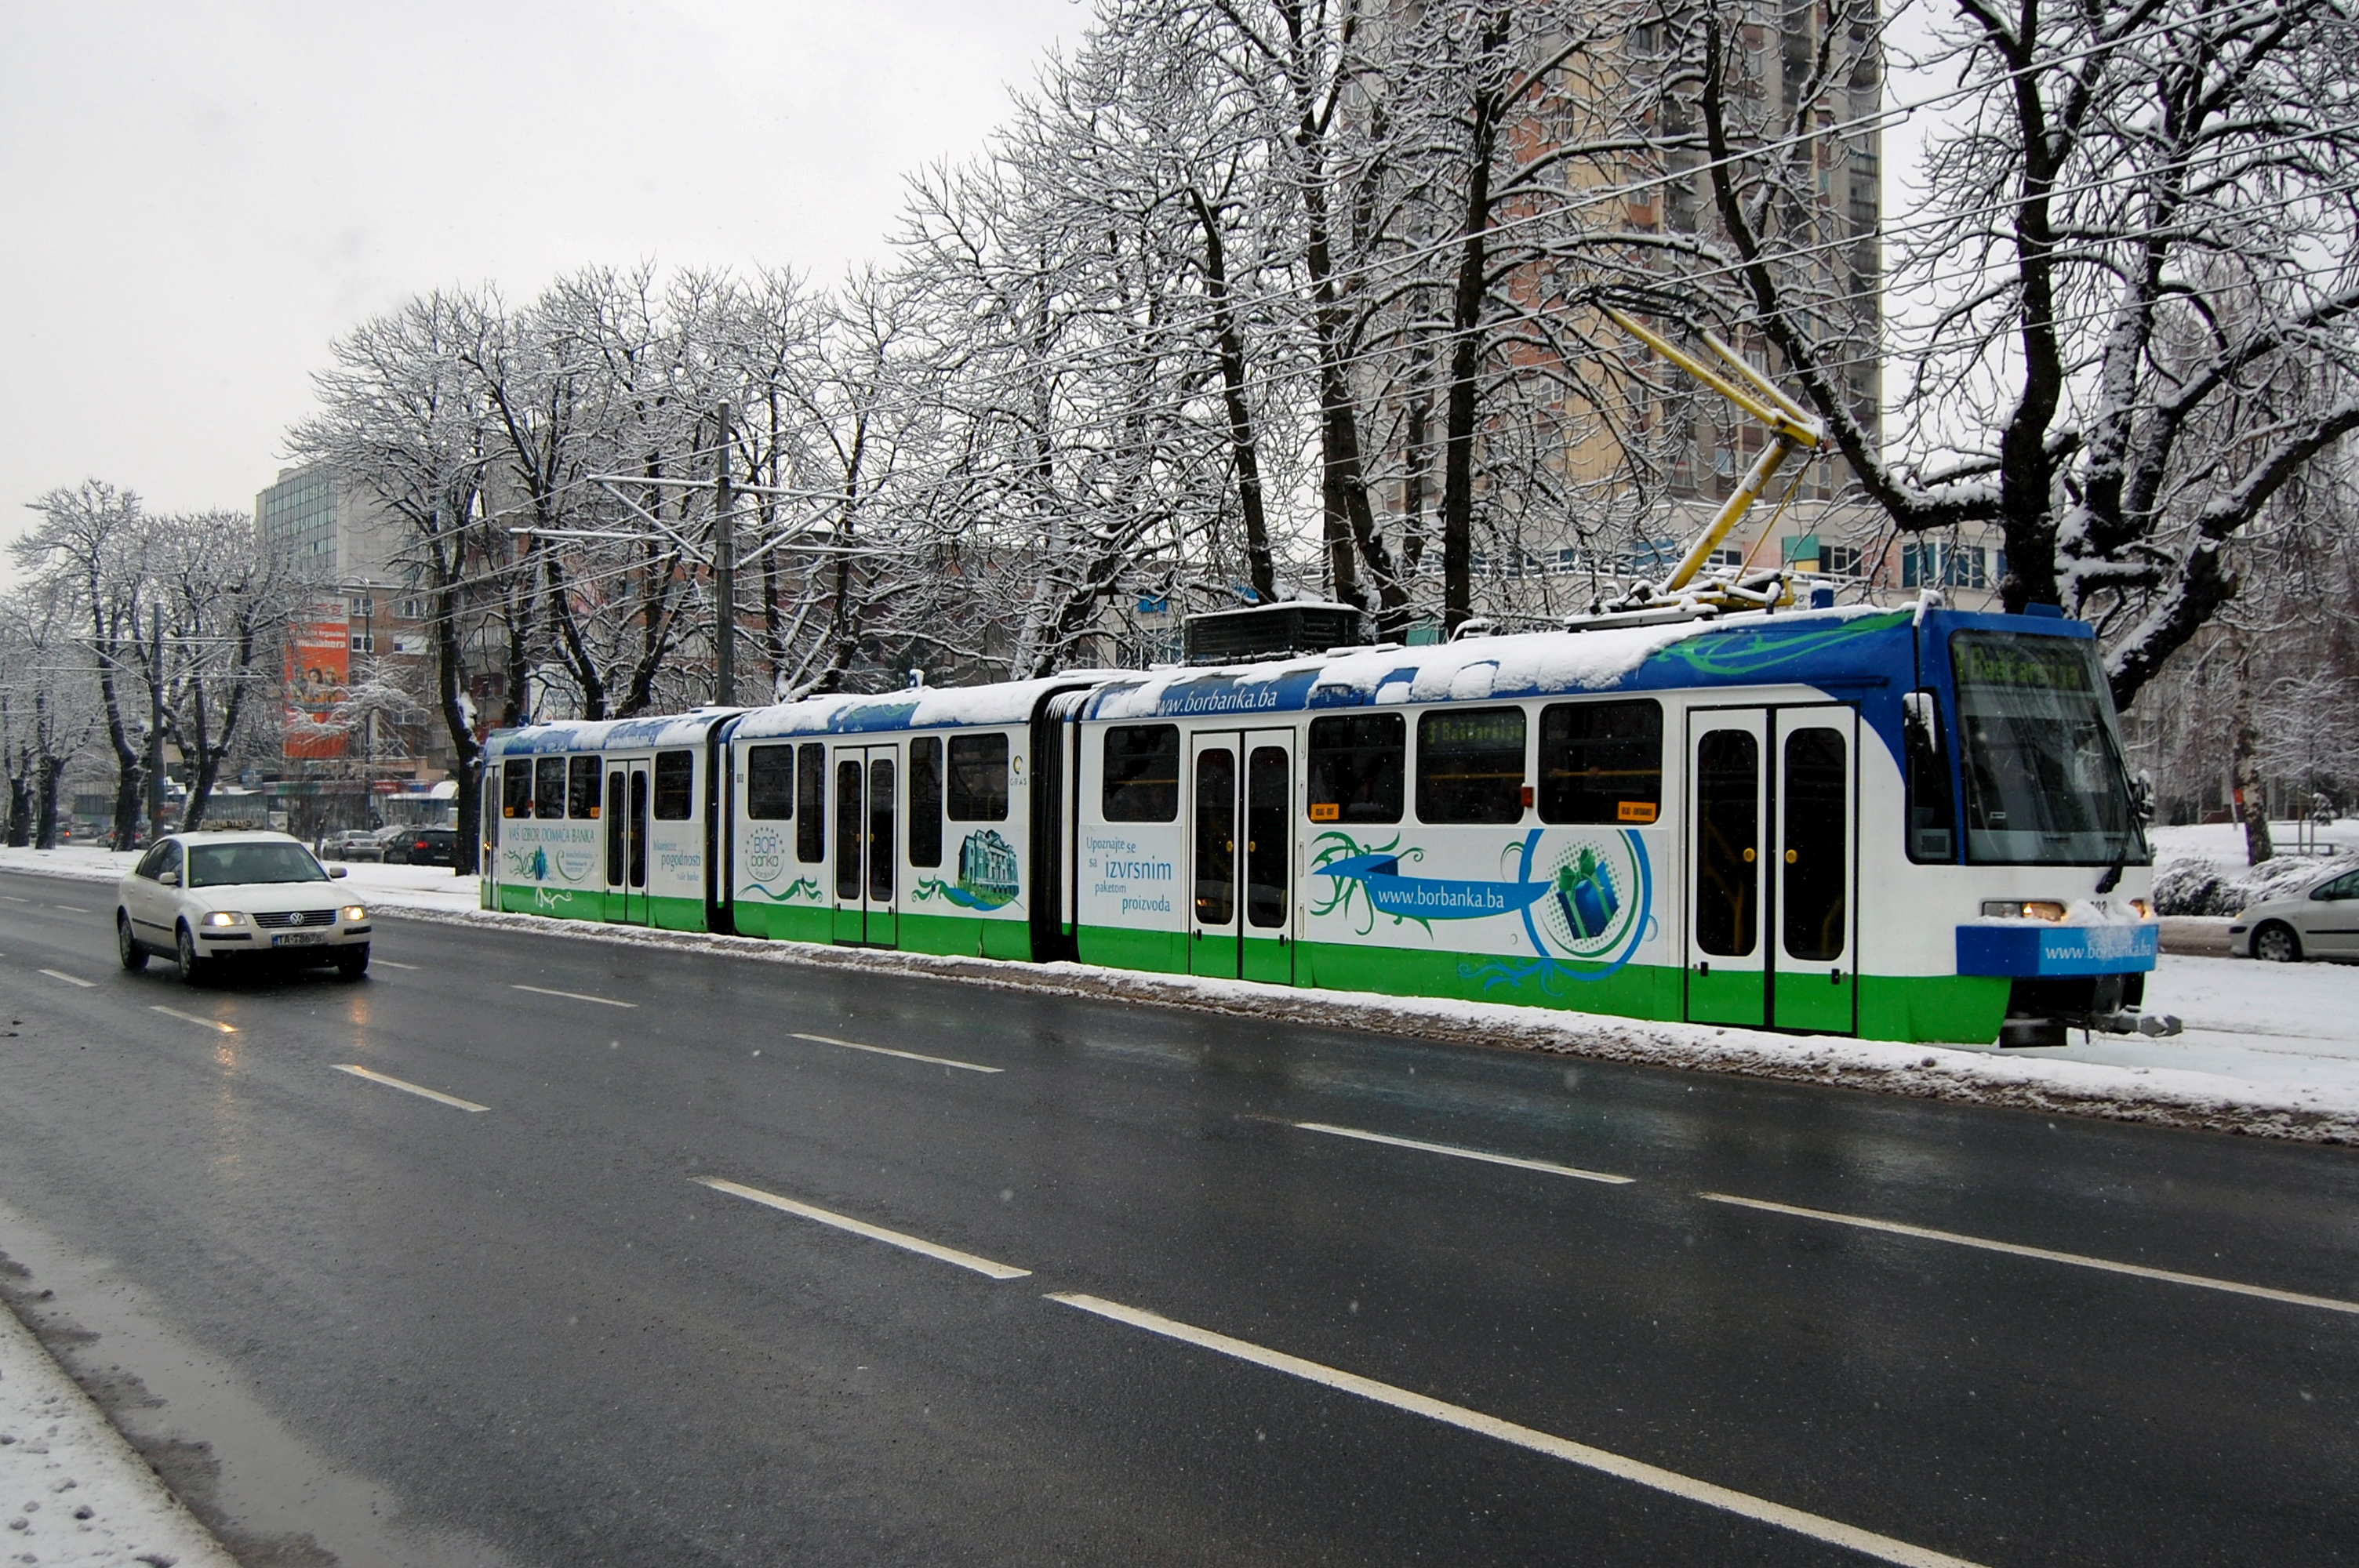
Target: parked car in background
x=422, y=846
x=198, y=899
x=352, y=844
x=2319, y=919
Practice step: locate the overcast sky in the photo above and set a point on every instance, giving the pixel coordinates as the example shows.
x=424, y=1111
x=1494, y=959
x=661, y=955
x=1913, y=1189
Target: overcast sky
x=198, y=197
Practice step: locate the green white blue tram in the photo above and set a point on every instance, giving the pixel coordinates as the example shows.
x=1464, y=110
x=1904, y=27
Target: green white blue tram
x=1904, y=825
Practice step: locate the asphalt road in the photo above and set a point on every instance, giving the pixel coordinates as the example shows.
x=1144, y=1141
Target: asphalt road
x=1174, y=1325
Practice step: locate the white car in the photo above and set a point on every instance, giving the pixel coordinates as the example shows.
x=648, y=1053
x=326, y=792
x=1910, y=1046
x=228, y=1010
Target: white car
x=2319, y=920
x=195, y=898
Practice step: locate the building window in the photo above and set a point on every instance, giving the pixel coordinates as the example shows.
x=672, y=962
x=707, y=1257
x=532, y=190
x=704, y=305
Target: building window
x=1945, y=566
x=1838, y=560
x=364, y=642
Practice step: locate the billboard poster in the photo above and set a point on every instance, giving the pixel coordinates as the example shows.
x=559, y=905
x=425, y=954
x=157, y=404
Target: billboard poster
x=319, y=666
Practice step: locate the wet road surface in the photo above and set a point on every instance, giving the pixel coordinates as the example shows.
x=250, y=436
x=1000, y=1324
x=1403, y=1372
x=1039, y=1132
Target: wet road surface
x=781, y=1265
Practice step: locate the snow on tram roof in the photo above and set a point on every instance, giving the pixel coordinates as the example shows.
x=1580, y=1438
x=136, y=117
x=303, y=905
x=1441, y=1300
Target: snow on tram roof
x=608, y=734
x=916, y=707
x=1530, y=664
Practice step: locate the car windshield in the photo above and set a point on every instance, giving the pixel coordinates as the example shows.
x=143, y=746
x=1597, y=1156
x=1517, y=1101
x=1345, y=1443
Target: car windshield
x=2044, y=779
x=230, y=865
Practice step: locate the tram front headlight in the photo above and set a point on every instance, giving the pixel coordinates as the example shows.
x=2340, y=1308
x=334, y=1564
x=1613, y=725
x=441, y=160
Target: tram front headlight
x=2022, y=909
x=2144, y=910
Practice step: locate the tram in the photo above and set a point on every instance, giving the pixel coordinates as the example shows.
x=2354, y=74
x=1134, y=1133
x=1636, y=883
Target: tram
x=1905, y=824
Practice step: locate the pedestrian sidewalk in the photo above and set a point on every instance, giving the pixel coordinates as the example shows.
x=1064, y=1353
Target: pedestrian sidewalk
x=73, y=1493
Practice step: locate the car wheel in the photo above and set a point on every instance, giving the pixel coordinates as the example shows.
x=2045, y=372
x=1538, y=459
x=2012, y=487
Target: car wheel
x=2274, y=943
x=352, y=962
x=194, y=969
x=127, y=946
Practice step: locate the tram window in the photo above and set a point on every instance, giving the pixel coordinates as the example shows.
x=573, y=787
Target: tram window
x=581, y=787
x=1602, y=761
x=549, y=787
x=849, y=829
x=1931, y=807
x=675, y=785
x=1142, y=773
x=926, y=801
x=1354, y=767
x=515, y=789
x=1728, y=831
x=1470, y=765
x=769, y=784
x=489, y=806
x=978, y=778
x=1813, y=901
x=1266, y=836
x=811, y=807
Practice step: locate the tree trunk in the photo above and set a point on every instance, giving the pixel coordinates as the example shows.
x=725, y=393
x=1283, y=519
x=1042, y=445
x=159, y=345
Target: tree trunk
x=1466, y=346
x=1242, y=442
x=2252, y=800
x=44, y=803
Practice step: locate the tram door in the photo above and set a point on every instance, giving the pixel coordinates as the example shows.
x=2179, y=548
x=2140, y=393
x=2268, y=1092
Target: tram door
x=1241, y=854
x=867, y=845
x=1771, y=868
x=624, y=810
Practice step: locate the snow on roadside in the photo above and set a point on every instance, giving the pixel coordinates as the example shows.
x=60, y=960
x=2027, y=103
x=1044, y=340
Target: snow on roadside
x=2270, y=1050
x=2200, y=869
x=73, y=1492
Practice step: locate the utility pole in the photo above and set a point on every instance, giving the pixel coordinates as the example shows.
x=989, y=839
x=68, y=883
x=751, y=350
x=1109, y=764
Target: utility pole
x=156, y=723
x=724, y=576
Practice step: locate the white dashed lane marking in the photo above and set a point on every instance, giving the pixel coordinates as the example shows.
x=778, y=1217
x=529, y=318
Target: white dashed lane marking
x=389, y=964
x=905, y=1055
x=71, y=980
x=196, y=1018
x=2077, y=1260
x=407, y=1087
x=933, y=1250
x=1834, y=1532
x=574, y=996
x=1548, y=1167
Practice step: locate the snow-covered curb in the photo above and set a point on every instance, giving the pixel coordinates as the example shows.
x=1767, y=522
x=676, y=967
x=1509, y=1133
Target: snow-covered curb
x=72, y=1490
x=2325, y=1112
x=2157, y=1095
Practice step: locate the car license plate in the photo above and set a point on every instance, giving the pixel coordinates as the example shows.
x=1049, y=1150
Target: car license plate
x=298, y=939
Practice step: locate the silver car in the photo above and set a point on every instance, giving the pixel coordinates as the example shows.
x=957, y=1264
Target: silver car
x=2320, y=921
x=200, y=898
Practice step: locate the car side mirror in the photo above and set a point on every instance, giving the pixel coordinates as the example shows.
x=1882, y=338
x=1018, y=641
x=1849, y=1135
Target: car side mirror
x=168, y=878
x=340, y=871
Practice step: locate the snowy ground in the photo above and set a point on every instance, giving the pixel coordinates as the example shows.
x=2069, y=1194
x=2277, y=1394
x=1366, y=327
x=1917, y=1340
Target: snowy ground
x=73, y=1493
x=2201, y=870
x=2267, y=1049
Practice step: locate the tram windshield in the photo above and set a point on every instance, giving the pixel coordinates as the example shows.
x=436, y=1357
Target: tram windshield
x=2045, y=783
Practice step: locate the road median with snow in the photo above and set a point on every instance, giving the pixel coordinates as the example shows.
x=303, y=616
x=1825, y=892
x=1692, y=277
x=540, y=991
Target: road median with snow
x=2271, y=1051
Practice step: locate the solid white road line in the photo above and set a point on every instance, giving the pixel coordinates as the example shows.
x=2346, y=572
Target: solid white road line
x=862, y=1227
x=571, y=996
x=196, y=1018
x=1882, y=1547
x=407, y=1087
x=2168, y=1276
x=71, y=980
x=1455, y=1152
x=905, y=1055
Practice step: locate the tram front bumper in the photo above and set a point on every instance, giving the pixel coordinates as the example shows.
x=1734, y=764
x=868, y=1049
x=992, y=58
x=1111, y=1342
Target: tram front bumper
x=2088, y=976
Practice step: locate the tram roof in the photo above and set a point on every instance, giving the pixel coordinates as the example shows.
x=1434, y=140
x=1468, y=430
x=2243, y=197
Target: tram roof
x=1851, y=646
x=608, y=734
x=917, y=707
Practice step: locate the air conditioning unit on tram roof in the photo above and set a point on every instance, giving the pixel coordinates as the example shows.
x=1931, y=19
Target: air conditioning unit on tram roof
x=1276, y=631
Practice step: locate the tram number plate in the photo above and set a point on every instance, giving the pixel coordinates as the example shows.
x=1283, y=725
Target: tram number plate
x=298, y=939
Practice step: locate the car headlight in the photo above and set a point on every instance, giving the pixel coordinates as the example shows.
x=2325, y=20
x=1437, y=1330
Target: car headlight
x=223, y=917
x=355, y=914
